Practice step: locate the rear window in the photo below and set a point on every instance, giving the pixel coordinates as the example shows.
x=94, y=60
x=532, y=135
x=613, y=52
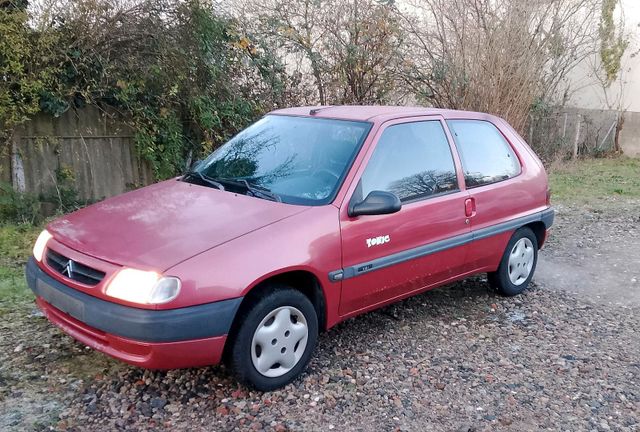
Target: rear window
x=486, y=155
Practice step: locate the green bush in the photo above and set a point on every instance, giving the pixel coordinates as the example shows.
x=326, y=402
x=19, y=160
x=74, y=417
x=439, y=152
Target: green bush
x=184, y=74
x=18, y=207
x=65, y=194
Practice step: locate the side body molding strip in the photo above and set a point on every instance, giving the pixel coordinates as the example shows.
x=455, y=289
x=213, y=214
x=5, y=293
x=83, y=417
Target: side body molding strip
x=545, y=216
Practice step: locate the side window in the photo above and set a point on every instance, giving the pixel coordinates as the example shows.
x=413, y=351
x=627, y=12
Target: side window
x=412, y=160
x=486, y=156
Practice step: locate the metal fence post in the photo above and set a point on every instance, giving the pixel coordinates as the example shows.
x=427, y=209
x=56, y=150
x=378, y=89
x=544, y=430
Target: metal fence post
x=577, y=139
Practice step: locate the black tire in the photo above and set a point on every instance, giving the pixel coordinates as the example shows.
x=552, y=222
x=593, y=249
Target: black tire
x=248, y=320
x=499, y=279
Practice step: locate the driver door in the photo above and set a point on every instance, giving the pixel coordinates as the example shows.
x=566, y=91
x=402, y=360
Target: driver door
x=387, y=257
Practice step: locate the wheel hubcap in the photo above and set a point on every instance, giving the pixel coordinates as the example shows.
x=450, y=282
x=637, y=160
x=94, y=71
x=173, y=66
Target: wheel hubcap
x=521, y=261
x=279, y=341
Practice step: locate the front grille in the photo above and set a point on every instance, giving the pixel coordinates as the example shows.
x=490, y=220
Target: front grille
x=73, y=270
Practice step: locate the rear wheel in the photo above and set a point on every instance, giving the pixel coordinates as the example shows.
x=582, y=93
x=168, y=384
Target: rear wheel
x=517, y=265
x=275, y=338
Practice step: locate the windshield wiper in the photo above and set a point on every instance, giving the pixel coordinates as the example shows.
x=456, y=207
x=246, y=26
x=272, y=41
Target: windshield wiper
x=255, y=190
x=261, y=190
x=205, y=179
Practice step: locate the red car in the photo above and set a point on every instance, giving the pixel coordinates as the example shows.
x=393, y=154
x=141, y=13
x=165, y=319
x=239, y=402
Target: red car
x=308, y=217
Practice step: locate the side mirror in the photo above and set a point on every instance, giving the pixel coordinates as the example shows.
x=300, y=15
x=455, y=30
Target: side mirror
x=376, y=203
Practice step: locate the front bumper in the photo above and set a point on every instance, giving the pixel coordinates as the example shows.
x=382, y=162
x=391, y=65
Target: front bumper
x=155, y=339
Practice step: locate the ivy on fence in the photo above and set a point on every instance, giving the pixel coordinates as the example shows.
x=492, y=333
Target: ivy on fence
x=183, y=75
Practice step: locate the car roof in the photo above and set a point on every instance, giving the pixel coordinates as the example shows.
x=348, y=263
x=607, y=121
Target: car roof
x=375, y=112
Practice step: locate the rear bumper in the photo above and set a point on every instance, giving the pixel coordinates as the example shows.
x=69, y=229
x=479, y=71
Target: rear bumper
x=547, y=216
x=155, y=339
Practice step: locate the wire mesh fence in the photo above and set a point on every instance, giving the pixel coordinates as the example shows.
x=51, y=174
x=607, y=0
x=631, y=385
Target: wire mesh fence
x=574, y=133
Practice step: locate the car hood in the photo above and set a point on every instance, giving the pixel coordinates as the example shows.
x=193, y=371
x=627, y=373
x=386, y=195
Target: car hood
x=161, y=225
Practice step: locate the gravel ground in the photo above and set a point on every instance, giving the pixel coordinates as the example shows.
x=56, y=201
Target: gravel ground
x=593, y=252
x=459, y=358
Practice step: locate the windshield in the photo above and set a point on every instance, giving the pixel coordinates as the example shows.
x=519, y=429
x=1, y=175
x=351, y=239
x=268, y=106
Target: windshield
x=300, y=160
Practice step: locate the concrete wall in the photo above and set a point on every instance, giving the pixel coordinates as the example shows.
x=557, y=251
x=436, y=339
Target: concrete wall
x=630, y=134
x=94, y=146
x=587, y=92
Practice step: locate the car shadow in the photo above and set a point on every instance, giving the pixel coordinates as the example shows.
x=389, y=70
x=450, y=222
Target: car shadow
x=469, y=299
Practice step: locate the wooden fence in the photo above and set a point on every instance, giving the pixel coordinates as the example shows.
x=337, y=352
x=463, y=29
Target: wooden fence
x=96, y=150
x=90, y=149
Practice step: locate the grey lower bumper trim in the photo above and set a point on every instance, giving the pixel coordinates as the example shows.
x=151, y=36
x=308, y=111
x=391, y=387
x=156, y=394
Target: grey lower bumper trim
x=547, y=216
x=194, y=322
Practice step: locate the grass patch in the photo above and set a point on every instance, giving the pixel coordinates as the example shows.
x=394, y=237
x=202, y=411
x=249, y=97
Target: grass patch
x=16, y=242
x=590, y=180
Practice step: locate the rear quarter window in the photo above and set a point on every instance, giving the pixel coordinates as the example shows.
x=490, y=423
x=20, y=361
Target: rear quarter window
x=486, y=155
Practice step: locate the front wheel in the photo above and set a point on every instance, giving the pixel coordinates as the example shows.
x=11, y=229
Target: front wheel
x=517, y=265
x=275, y=338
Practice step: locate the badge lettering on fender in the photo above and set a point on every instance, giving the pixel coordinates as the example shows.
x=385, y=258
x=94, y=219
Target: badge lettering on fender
x=377, y=241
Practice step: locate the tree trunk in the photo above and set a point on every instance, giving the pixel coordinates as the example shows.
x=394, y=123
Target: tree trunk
x=318, y=77
x=17, y=167
x=616, y=139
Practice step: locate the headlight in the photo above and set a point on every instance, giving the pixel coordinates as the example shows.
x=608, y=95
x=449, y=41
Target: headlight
x=41, y=243
x=145, y=287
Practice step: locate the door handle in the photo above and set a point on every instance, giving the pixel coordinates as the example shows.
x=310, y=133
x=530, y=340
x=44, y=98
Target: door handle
x=470, y=207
